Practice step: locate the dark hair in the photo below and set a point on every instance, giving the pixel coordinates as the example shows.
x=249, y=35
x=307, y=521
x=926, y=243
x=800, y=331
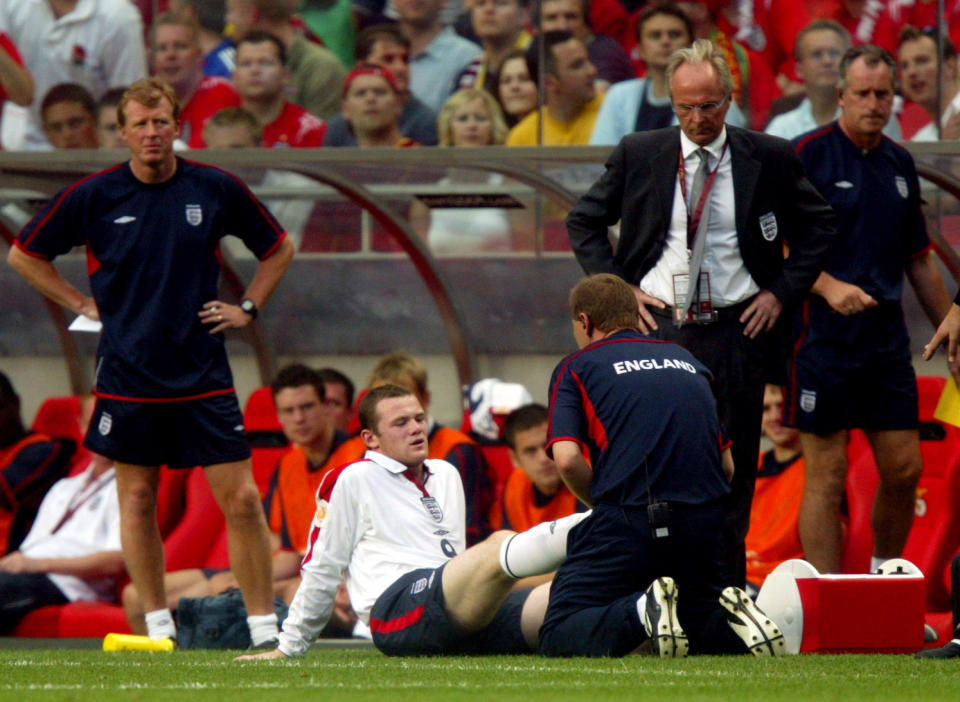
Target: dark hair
x=11, y=425
x=297, y=375
x=276, y=11
x=335, y=377
x=367, y=411
x=522, y=419
x=608, y=302
x=258, y=36
x=69, y=92
x=550, y=40
x=368, y=36
x=211, y=14
x=872, y=55
x=664, y=8
x=536, y=12
x=111, y=98
x=911, y=33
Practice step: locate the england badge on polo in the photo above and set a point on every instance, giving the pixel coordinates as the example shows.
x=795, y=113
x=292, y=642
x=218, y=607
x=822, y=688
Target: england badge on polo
x=901, y=186
x=808, y=400
x=194, y=215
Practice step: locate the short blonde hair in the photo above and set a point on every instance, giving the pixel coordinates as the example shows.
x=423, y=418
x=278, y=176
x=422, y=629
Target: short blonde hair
x=461, y=98
x=701, y=51
x=149, y=92
x=399, y=369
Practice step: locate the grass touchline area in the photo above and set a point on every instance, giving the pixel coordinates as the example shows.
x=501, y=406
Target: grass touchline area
x=55, y=674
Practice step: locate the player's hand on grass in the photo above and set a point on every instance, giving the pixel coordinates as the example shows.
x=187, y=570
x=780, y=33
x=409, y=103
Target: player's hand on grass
x=265, y=656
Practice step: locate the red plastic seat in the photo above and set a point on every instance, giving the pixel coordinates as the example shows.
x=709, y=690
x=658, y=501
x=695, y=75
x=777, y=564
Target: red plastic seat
x=935, y=535
x=192, y=544
x=59, y=417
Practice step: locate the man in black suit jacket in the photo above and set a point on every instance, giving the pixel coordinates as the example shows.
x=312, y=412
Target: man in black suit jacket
x=755, y=200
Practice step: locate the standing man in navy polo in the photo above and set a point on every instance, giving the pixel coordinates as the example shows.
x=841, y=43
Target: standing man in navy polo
x=164, y=390
x=644, y=412
x=726, y=246
x=852, y=365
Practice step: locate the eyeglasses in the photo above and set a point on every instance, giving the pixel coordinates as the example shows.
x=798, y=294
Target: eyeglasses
x=821, y=54
x=706, y=108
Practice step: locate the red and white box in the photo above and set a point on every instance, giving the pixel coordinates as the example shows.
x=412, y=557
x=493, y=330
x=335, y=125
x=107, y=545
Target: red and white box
x=876, y=613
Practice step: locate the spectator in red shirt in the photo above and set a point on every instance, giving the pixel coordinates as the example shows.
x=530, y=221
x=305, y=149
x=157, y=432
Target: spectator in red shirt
x=178, y=59
x=372, y=104
x=261, y=77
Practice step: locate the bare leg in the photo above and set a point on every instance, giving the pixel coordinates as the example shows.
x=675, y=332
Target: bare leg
x=534, y=610
x=181, y=583
x=824, y=484
x=474, y=584
x=139, y=534
x=248, y=538
x=897, y=454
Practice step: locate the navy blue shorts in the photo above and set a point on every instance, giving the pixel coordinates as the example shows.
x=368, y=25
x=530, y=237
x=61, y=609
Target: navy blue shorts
x=612, y=557
x=851, y=372
x=409, y=619
x=202, y=432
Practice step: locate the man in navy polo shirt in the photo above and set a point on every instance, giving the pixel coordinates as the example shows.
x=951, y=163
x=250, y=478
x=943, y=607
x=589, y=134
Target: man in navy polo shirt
x=644, y=412
x=852, y=365
x=164, y=390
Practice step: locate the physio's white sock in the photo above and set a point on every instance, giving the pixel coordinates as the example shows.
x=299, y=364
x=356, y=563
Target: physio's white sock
x=540, y=549
x=642, y=606
x=263, y=627
x=160, y=624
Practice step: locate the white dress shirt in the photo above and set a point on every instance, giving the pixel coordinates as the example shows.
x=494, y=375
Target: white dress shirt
x=730, y=282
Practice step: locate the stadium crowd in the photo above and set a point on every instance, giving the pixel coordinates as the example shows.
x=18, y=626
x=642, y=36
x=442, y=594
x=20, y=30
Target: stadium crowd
x=602, y=74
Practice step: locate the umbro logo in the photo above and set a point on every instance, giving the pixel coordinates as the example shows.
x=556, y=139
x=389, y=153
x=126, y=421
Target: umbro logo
x=845, y=184
x=126, y=219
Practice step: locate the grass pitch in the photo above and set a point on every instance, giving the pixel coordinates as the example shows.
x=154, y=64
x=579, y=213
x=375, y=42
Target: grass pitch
x=345, y=675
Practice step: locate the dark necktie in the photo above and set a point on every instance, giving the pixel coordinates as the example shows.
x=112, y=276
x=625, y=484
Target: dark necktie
x=699, y=180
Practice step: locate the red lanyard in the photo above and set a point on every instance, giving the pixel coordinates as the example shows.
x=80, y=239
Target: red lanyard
x=408, y=474
x=693, y=222
x=81, y=498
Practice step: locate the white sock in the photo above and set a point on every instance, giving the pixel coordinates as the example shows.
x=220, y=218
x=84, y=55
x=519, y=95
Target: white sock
x=160, y=624
x=876, y=562
x=263, y=627
x=539, y=549
x=641, y=605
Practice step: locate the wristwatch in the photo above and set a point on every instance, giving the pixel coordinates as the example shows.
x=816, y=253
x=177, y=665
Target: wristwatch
x=250, y=307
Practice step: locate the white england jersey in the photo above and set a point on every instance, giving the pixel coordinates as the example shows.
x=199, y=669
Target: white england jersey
x=376, y=524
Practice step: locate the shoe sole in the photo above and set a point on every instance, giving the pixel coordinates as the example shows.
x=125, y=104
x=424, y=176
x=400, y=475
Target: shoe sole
x=667, y=638
x=760, y=634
